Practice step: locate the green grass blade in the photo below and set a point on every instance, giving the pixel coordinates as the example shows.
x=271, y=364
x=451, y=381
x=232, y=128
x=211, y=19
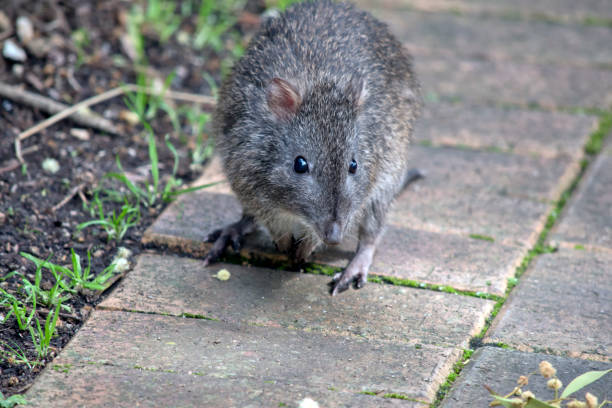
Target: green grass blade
x=154, y=166
x=191, y=189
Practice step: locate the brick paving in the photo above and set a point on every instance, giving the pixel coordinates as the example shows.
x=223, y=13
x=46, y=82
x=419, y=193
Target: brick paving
x=507, y=85
x=500, y=369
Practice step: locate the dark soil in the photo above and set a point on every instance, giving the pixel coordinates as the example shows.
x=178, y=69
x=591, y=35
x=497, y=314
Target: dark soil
x=28, y=193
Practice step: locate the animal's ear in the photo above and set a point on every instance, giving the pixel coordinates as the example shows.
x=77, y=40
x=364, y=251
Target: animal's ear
x=283, y=99
x=358, y=91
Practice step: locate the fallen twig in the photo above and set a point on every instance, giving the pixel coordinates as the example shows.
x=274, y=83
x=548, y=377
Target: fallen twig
x=14, y=163
x=74, y=191
x=45, y=313
x=207, y=101
x=48, y=105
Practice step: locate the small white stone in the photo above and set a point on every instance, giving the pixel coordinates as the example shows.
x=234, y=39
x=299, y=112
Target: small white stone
x=25, y=30
x=81, y=134
x=18, y=70
x=308, y=403
x=13, y=52
x=50, y=165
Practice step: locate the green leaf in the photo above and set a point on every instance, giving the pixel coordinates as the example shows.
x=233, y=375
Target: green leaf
x=506, y=402
x=582, y=381
x=536, y=403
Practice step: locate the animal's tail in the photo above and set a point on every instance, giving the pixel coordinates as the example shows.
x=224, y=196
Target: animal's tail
x=412, y=175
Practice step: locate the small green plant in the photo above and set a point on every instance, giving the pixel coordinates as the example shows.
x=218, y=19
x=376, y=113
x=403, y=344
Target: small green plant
x=17, y=308
x=80, y=38
x=15, y=355
x=162, y=16
x=41, y=336
x=215, y=18
x=80, y=278
x=53, y=296
x=280, y=4
x=595, y=142
x=519, y=398
x=115, y=225
x=151, y=193
x=11, y=401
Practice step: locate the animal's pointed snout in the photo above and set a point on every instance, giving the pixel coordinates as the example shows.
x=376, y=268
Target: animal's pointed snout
x=333, y=233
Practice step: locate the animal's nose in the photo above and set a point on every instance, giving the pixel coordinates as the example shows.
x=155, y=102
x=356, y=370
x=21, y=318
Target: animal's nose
x=333, y=233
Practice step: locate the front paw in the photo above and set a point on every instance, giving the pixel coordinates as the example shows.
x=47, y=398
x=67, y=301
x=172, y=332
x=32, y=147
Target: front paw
x=341, y=281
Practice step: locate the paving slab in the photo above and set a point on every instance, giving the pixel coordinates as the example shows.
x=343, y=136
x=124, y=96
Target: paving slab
x=257, y=355
x=273, y=298
x=490, y=172
x=588, y=218
x=97, y=386
x=586, y=11
x=467, y=192
x=550, y=86
x=533, y=133
x=477, y=37
x=561, y=305
x=500, y=369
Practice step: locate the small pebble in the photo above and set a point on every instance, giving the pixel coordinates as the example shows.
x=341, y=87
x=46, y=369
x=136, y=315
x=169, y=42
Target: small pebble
x=50, y=165
x=18, y=70
x=308, y=403
x=7, y=105
x=81, y=134
x=13, y=52
x=129, y=117
x=25, y=30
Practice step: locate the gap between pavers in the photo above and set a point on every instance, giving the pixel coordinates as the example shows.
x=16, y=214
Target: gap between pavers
x=561, y=305
x=587, y=219
x=473, y=36
x=500, y=370
x=266, y=297
x=200, y=352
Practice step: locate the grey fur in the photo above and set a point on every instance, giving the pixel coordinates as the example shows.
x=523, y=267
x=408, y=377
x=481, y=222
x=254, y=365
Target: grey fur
x=356, y=97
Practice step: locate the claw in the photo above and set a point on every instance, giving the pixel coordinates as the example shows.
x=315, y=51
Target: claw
x=212, y=237
x=232, y=235
x=236, y=242
x=356, y=273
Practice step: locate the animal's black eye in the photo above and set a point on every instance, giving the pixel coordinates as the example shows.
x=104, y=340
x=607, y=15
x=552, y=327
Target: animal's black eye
x=353, y=167
x=300, y=165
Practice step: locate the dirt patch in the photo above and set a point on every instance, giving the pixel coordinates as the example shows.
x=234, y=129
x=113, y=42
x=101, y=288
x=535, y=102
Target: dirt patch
x=78, y=49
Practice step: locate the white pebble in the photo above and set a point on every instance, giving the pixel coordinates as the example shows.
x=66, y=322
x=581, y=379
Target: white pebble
x=50, y=165
x=13, y=52
x=25, y=30
x=308, y=403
